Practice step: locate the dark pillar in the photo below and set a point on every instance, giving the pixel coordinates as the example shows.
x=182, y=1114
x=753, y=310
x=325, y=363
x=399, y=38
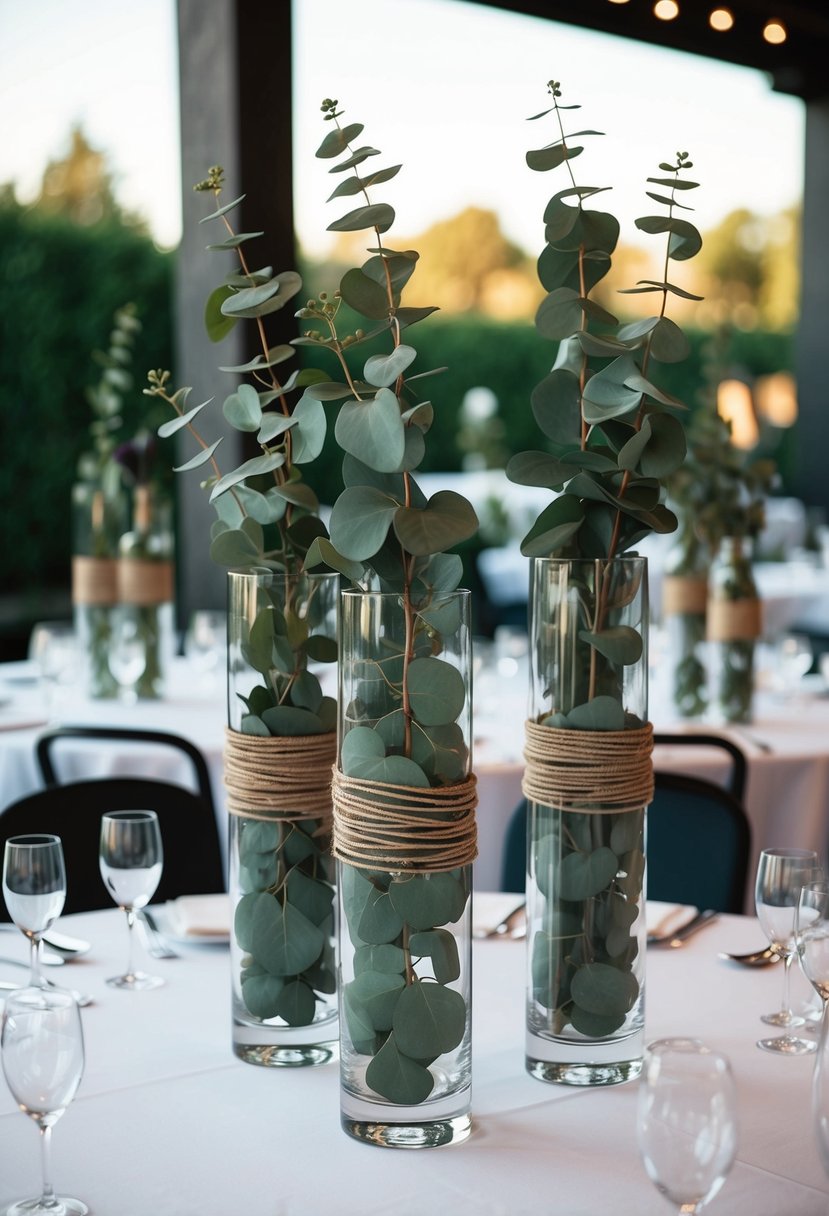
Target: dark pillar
x=235, y=67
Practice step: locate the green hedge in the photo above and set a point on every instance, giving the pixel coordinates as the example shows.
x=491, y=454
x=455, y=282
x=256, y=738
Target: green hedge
x=60, y=285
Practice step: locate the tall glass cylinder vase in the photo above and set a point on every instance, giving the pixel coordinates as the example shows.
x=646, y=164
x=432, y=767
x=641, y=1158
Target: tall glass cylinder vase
x=144, y=628
x=734, y=623
x=405, y=839
x=99, y=517
x=280, y=749
x=684, y=596
x=588, y=782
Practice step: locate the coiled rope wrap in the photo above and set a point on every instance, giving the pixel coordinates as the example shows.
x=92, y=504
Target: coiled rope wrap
x=380, y=826
x=285, y=778
x=598, y=771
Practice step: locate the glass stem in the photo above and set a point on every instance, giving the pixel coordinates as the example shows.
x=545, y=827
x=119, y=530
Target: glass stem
x=130, y=922
x=35, y=977
x=787, y=963
x=48, y=1197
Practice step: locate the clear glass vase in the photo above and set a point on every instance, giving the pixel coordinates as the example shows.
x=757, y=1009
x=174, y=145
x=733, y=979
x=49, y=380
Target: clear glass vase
x=405, y=918
x=143, y=639
x=586, y=856
x=281, y=652
x=99, y=518
x=684, y=596
x=734, y=623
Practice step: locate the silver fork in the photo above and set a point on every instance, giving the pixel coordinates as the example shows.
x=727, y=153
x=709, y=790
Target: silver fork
x=154, y=941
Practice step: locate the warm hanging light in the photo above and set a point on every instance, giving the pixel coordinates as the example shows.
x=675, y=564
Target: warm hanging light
x=666, y=10
x=734, y=405
x=721, y=19
x=775, y=32
x=776, y=397
x=619, y=1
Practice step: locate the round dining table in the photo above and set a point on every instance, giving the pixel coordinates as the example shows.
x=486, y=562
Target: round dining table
x=168, y=1121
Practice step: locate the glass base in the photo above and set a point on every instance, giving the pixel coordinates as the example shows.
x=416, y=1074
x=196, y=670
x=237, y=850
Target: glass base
x=60, y=1205
x=584, y=1074
x=431, y=1133
x=788, y=1045
x=782, y=1019
x=135, y=980
x=275, y=1055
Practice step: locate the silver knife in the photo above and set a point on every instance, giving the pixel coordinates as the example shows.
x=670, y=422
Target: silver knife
x=693, y=926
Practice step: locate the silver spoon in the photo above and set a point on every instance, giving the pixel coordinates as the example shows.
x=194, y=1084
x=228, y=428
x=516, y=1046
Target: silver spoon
x=513, y=925
x=69, y=947
x=756, y=958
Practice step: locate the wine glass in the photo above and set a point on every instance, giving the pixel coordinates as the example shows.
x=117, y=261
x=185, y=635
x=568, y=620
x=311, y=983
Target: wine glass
x=794, y=658
x=53, y=648
x=812, y=943
x=205, y=643
x=127, y=656
x=687, y=1122
x=131, y=857
x=42, y=1052
x=34, y=888
x=781, y=874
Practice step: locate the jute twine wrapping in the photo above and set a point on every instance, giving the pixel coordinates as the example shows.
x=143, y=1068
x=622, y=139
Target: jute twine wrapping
x=598, y=771
x=94, y=580
x=734, y=620
x=412, y=829
x=144, y=582
x=681, y=594
x=286, y=778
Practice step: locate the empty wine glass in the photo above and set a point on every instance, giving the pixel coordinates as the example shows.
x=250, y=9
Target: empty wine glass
x=687, y=1121
x=42, y=1053
x=205, y=643
x=794, y=658
x=127, y=655
x=131, y=858
x=781, y=874
x=34, y=888
x=53, y=648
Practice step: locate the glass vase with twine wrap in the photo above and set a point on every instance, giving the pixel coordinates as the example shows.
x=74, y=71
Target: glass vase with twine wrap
x=684, y=597
x=405, y=839
x=99, y=518
x=280, y=749
x=734, y=623
x=146, y=590
x=588, y=781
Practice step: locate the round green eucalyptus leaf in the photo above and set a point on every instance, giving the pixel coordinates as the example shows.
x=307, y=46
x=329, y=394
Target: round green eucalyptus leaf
x=602, y=713
x=297, y=1004
x=604, y=990
x=306, y=692
x=379, y=921
x=234, y=547
x=360, y=521
x=377, y=215
x=199, y=459
x=364, y=295
x=377, y=993
x=252, y=724
x=248, y=302
x=559, y=314
x=446, y=520
x=414, y=449
x=593, y=230
x=243, y=921
x=538, y=469
x=283, y=940
x=595, y=1025
x=425, y=901
x=287, y=720
x=259, y=836
x=251, y=468
x=397, y=1078
x=312, y=897
x=357, y=1022
x=321, y=649
x=428, y=1020
x=620, y=643
x=217, y=324
x=359, y=744
x=626, y=834
x=373, y=430
x=240, y=303
x=544, y=159
x=443, y=615
x=338, y=139
x=582, y=875
x=311, y=424
x=261, y=991
x=386, y=958
x=657, y=449
x=555, y=526
x=258, y=873
x=383, y=370
x=559, y=219
x=684, y=241
x=440, y=946
x=608, y=393
x=436, y=690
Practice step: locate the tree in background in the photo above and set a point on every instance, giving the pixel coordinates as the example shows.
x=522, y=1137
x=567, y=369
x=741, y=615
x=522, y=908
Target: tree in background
x=79, y=187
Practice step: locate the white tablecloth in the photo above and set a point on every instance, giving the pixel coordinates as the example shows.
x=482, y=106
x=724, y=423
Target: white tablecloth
x=167, y=1121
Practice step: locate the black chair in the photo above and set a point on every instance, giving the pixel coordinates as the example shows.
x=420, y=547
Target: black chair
x=189, y=831
x=736, y=783
x=699, y=844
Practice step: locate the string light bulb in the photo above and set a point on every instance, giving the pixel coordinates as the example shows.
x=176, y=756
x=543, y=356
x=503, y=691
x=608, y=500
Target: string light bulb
x=774, y=32
x=721, y=19
x=666, y=10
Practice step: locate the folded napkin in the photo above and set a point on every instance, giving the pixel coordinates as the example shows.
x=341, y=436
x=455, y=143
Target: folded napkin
x=200, y=916
x=666, y=918
x=489, y=908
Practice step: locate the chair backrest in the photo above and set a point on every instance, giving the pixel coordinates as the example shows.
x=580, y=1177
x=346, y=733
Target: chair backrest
x=698, y=844
x=737, y=773
x=189, y=829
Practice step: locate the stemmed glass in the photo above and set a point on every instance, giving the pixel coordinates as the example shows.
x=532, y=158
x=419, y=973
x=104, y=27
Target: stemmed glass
x=42, y=1052
x=205, y=643
x=127, y=656
x=53, y=648
x=131, y=858
x=812, y=942
x=781, y=874
x=34, y=888
x=794, y=658
x=687, y=1121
